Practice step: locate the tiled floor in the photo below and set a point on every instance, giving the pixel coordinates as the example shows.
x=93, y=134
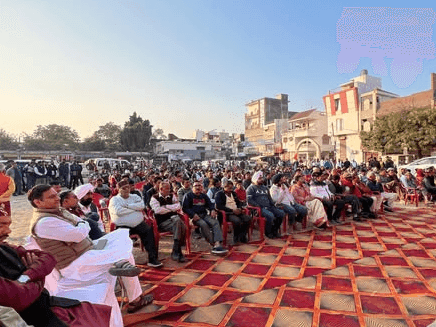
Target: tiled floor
x=375, y=273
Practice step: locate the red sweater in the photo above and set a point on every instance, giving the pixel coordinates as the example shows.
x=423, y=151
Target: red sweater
x=20, y=296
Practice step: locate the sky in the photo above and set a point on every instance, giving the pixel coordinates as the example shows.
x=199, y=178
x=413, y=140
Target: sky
x=194, y=64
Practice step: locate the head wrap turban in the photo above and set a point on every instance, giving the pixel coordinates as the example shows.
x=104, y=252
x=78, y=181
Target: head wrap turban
x=256, y=176
x=82, y=190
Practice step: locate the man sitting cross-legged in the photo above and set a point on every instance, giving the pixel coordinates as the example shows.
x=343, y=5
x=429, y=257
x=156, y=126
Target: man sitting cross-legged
x=81, y=262
x=197, y=204
x=126, y=211
x=165, y=206
x=22, y=275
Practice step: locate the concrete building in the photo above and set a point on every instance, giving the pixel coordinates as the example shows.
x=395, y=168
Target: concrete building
x=262, y=118
x=350, y=108
x=307, y=136
x=179, y=150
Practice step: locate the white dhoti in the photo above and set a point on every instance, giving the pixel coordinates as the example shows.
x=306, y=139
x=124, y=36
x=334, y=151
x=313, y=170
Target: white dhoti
x=87, y=278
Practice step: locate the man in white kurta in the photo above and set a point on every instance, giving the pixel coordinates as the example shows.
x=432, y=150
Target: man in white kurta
x=87, y=278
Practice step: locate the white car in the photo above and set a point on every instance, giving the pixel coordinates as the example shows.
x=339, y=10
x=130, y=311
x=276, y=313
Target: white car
x=422, y=163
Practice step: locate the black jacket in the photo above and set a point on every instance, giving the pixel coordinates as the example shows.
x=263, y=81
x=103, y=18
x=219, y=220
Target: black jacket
x=220, y=201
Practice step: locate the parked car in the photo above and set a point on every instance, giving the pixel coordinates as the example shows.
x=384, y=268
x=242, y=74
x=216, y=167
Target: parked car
x=422, y=163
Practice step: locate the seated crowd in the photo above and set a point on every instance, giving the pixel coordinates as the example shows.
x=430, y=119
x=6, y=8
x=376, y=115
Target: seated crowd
x=72, y=247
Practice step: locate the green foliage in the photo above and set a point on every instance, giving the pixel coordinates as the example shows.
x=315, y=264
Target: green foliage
x=92, y=144
x=52, y=137
x=136, y=134
x=107, y=137
x=7, y=142
x=414, y=129
x=159, y=134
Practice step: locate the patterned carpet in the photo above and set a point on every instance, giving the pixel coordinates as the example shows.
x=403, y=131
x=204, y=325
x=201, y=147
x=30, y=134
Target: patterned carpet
x=374, y=273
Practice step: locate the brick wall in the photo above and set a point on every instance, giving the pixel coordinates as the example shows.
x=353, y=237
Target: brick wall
x=417, y=100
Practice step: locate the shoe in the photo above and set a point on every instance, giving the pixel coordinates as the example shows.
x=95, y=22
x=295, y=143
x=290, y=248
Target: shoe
x=219, y=250
x=357, y=219
x=143, y=301
x=334, y=222
x=388, y=209
x=271, y=236
x=277, y=234
x=124, y=268
x=243, y=239
x=174, y=256
x=154, y=263
x=182, y=258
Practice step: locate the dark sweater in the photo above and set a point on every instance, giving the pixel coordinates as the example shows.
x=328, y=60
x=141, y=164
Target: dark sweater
x=258, y=196
x=197, y=204
x=221, y=200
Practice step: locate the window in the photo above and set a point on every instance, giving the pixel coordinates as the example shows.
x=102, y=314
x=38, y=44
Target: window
x=326, y=140
x=339, y=124
x=337, y=104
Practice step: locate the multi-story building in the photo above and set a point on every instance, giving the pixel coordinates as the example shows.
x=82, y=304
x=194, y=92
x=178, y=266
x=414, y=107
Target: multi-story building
x=349, y=109
x=307, y=136
x=263, y=118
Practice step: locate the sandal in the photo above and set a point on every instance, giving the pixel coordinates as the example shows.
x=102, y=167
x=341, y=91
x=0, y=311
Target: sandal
x=124, y=268
x=143, y=301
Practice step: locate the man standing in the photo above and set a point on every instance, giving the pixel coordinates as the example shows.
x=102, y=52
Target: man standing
x=165, y=207
x=7, y=188
x=22, y=287
x=258, y=196
x=203, y=214
x=74, y=174
x=64, y=171
x=126, y=211
x=15, y=174
x=40, y=173
x=29, y=169
x=51, y=171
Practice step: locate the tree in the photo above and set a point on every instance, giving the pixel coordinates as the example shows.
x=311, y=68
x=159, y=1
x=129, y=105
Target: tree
x=7, y=142
x=110, y=135
x=136, y=134
x=420, y=130
x=159, y=134
x=92, y=144
x=414, y=129
x=52, y=137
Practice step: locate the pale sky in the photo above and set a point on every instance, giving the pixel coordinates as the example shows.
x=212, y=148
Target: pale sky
x=184, y=65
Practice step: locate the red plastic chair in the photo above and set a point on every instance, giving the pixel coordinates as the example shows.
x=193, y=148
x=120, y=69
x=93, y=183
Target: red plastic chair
x=412, y=196
x=150, y=219
x=256, y=214
x=225, y=225
x=140, y=185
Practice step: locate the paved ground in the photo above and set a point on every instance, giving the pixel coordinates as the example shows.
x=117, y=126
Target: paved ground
x=375, y=273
